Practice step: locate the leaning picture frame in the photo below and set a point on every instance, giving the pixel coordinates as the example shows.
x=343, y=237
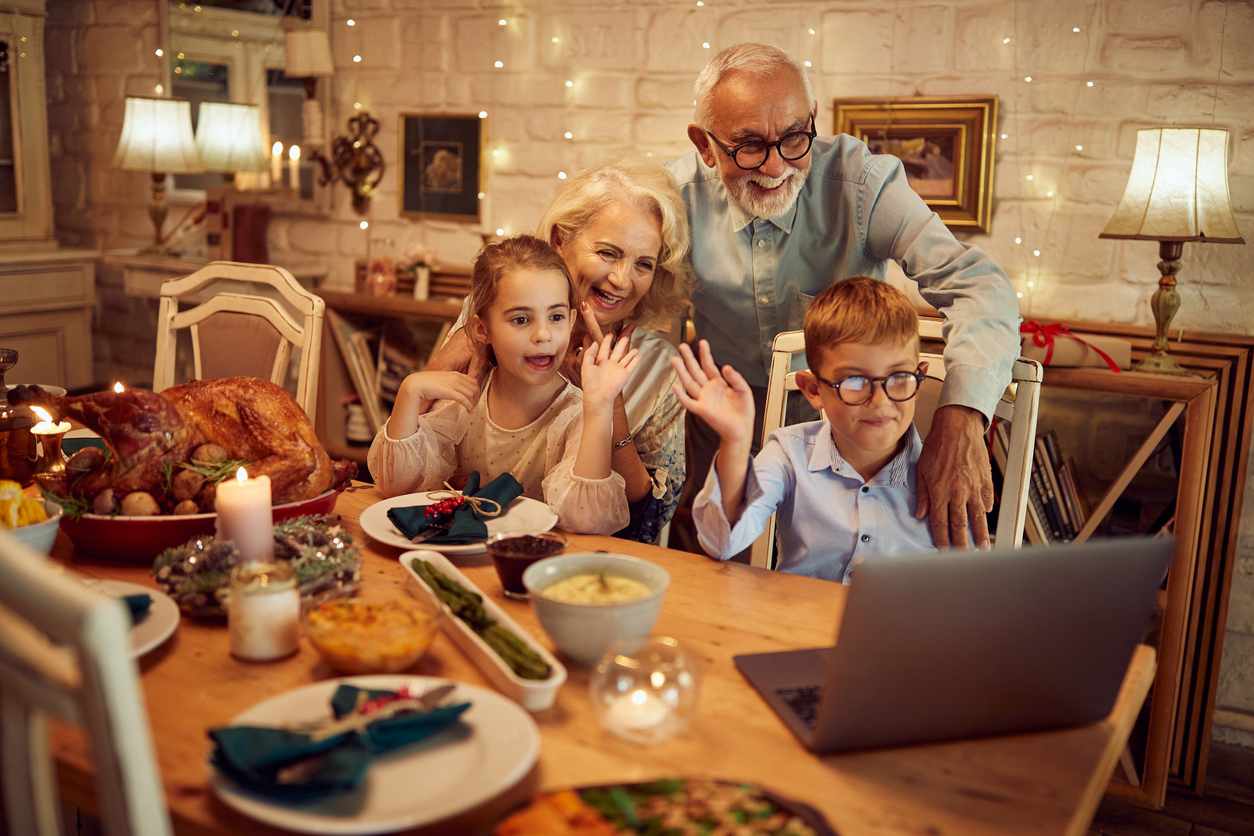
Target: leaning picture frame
x=442, y=165
x=945, y=143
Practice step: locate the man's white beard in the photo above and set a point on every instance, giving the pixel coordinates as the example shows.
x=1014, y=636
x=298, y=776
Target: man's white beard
x=773, y=205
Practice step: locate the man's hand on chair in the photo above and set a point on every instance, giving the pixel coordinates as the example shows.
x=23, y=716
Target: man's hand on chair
x=955, y=478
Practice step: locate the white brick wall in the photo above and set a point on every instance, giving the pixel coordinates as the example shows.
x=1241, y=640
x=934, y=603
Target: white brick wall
x=1153, y=63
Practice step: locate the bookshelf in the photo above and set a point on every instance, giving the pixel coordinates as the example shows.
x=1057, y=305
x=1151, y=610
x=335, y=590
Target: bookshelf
x=1210, y=419
x=335, y=379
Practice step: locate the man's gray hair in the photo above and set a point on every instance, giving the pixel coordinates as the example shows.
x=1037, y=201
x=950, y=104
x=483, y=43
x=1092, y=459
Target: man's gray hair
x=755, y=59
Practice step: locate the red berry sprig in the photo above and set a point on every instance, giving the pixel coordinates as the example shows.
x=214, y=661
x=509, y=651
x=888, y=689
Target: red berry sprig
x=445, y=507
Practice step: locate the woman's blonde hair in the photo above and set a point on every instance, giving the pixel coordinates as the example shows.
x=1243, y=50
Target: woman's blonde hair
x=859, y=309
x=500, y=258
x=651, y=190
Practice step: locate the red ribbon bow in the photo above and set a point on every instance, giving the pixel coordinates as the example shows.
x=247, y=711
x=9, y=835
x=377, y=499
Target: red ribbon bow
x=1043, y=337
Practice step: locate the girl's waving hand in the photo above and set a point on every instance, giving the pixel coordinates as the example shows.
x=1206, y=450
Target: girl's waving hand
x=606, y=368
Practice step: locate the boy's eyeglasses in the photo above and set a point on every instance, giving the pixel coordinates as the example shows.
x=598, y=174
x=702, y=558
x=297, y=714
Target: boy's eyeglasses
x=857, y=389
x=751, y=155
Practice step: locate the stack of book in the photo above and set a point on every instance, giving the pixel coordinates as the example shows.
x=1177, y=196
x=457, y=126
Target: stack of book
x=1057, y=508
x=379, y=356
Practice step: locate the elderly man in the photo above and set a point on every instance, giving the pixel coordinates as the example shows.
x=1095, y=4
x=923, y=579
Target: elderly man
x=778, y=214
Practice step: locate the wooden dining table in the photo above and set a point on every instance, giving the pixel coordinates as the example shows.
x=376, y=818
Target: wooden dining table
x=1039, y=783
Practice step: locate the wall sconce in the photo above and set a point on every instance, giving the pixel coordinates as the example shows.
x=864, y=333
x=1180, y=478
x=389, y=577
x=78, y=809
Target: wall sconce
x=356, y=160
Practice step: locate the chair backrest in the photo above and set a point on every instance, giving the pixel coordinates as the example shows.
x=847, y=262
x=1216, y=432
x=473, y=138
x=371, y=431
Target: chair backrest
x=65, y=651
x=1021, y=406
x=240, y=334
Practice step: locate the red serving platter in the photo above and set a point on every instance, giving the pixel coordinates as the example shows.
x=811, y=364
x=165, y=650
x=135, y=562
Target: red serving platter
x=141, y=539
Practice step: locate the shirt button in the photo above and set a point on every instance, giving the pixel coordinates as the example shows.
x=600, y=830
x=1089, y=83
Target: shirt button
x=865, y=489
x=761, y=243
x=866, y=538
x=764, y=299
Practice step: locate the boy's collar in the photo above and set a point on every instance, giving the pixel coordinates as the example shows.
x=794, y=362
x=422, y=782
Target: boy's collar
x=896, y=474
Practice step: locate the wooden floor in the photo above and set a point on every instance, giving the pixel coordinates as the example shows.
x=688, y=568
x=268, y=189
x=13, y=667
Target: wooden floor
x=1227, y=809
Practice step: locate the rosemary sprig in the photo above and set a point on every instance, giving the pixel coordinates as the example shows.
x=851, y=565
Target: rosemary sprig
x=73, y=506
x=215, y=472
x=167, y=477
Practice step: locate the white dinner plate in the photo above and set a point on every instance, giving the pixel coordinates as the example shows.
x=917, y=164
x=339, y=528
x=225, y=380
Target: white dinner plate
x=523, y=515
x=405, y=788
x=160, y=623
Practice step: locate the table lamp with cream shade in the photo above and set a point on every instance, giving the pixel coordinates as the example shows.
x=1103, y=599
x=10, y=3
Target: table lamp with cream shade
x=229, y=138
x=308, y=57
x=1177, y=192
x=157, y=138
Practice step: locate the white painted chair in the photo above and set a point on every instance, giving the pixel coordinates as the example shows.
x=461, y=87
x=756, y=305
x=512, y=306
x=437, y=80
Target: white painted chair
x=1021, y=406
x=240, y=334
x=66, y=651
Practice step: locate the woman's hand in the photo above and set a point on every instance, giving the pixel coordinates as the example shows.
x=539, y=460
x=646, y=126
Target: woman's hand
x=605, y=370
x=723, y=400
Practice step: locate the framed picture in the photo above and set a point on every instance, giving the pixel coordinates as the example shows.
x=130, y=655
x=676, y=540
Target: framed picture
x=442, y=164
x=945, y=143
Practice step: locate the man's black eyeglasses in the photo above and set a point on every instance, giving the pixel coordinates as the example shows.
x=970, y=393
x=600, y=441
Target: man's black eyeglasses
x=857, y=389
x=751, y=155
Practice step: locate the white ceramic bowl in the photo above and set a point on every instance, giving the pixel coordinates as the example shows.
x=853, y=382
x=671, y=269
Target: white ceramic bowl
x=584, y=631
x=42, y=535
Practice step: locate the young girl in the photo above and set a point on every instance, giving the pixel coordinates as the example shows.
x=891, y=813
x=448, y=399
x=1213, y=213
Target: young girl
x=528, y=420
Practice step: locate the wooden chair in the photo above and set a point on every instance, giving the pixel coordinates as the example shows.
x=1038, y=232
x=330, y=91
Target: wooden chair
x=240, y=334
x=1022, y=406
x=66, y=651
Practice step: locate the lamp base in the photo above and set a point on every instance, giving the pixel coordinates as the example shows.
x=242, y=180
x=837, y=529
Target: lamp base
x=1162, y=364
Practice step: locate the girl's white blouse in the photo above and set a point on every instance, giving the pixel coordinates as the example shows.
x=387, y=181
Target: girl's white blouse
x=451, y=442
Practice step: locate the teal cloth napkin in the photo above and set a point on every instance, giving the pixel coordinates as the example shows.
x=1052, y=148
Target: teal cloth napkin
x=467, y=524
x=138, y=605
x=265, y=759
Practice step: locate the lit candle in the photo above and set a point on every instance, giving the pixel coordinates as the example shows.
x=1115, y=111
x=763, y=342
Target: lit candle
x=636, y=711
x=276, y=164
x=45, y=425
x=293, y=167
x=244, y=515
x=119, y=388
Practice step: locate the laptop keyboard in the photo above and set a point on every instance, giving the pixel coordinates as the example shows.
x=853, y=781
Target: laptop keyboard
x=804, y=701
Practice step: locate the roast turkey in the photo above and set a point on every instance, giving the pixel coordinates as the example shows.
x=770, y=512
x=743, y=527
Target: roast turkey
x=149, y=435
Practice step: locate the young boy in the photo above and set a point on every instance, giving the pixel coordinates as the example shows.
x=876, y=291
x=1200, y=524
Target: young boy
x=844, y=487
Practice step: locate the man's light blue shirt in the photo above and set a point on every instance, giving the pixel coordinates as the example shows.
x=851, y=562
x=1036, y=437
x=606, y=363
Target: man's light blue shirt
x=828, y=514
x=856, y=211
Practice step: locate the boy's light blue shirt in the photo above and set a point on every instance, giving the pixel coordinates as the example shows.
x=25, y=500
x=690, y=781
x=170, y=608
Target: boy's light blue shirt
x=828, y=514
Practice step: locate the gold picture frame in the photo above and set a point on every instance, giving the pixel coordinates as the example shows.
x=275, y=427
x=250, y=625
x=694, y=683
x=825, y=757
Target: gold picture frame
x=947, y=145
x=442, y=165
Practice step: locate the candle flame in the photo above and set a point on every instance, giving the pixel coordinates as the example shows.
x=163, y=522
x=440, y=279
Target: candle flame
x=638, y=697
x=277, y=148
x=119, y=388
x=43, y=414
x=293, y=153
x=241, y=475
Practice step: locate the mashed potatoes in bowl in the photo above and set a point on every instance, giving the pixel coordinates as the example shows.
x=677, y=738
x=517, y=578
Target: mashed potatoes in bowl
x=585, y=601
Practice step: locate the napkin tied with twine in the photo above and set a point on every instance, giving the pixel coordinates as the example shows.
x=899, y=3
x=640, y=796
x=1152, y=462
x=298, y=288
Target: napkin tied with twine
x=467, y=525
x=294, y=766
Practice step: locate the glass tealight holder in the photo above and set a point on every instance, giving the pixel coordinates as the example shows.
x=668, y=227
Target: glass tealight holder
x=645, y=688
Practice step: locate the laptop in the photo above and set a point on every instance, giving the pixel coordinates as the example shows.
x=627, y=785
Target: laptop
x=950, y=645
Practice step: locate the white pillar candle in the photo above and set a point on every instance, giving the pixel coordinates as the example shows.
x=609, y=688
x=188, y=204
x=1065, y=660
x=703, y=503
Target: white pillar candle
x=244, y=515
x=276, y=164
x=637, y=711
x=293, y=167
x=263, y=613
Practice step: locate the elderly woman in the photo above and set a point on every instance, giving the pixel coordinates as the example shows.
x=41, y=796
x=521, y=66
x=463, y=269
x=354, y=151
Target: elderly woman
x=622, y=229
